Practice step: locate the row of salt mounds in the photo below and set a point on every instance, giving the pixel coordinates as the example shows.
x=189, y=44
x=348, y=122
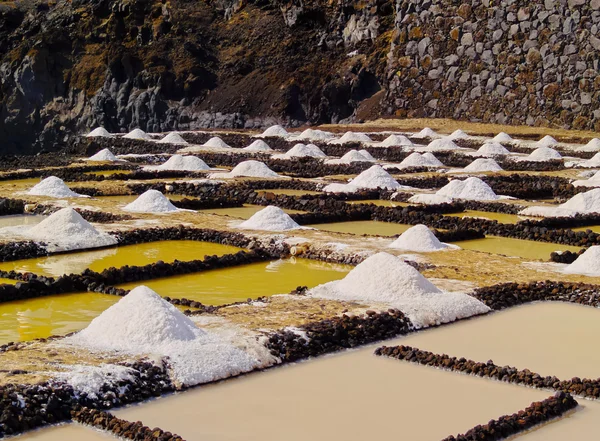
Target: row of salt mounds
x=184, y=163
x=349, y=137
x=544, y=154
x=592, y=146
x=416, y=159
x=173, y=138
x=383, y=278
x=312, y=135
x=98, y=132
x=53, y=187
x=249, y=169
x=395, y=141
x=442, y=144
x=137, y=134
x=372, y=178
x=473, y=189
x=258, y=146
x=151, y=201
x=143, y=323
x=217, y=143
x=482, y=165
x=594, y=181
x=65, y=230
x=425, y=133
x=587, y=263
x=270, y=218
x=275, y=131
x=352, y=156
x=302, y=151
x=502, y=137
x=429, y=199
x=458, y=134
x=420, y=239
x=586, y=202
x=546, y=141
x=104, y=155
x=493, y=149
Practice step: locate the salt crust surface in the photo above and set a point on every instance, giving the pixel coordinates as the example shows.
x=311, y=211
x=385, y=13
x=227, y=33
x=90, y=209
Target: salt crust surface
x=183, y=163
x=142, y=323
x=104, y=155
x=543, y=154
x=470, y=189
x=587, y=264
x=420, y=239
x=429, y=199
x=137, y=134
x=151, y=201
x=493, y=149
x=482, y=165
x=98, y=132
x=251, y=169
x=53, y=187
x=352, y=137
x=340, y=188
x=258, y=146
x=270, y=218
x=442, y=144
x=173, y=138
x=302, y=151
x=384, y=278
x=425, y=133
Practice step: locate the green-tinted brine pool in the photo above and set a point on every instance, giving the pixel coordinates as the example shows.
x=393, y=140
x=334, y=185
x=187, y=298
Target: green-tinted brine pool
x=527, y=249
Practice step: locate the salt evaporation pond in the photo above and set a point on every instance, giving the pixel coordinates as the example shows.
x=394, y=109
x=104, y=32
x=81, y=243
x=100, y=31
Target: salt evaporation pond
x=550, y=338
x=20, y=219
x=99, y=260
x=503, y=218
x=67, y=432
x=363, y=227
x=108, y=172
x=236, y=284
x=128, y=198
x=289, y=191
x=594, y=228
x=527, y=249
x=244, y=212
x=347, y=396
x=380, y=203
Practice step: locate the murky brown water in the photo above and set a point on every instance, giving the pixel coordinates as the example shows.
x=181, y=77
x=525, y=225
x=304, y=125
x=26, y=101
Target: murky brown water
x=527, y=249
x=66, y=432
x=364, y=227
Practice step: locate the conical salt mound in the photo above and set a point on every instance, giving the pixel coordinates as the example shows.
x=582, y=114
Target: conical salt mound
x=425, y=133
x=592, y=146
x=493, y=149
x=587, y=263
x=104, y=155
x=270, y=219
x=98, y=132
x=458, y=134
x=186, y=163
x=152, y=201
x=53, y=187
x=395, y=140
x=432, y=161
x=250, y=169
x=137, y=134
x=594, y=161
x=544, y=154
x=314, y=135
x=546, y=141
x=419, y=239
x=386, y=279
x=302, y=151
x=587, y=202
x=502, y=137
x=275, y=131
x=470, y=189
x=349, y=157
x=67, y=230
x=375, y=177
x=349, y=137
x=258, y=146
x=367, y=155
x=442, y=144
x=415, y=159
x=217, y=142
x=173, y=138
x=482, y=165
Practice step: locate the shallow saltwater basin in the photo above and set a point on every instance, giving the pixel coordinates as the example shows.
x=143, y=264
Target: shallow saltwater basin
x=129, y=198
x=348, y=396
x=364, y=227
x=289, y=191
x=67, y=432
x=594, y=228
x=527, y=249
x=228, y=285
x=245, y=212
x=380, y=203
x=108, y=172
x=500, y=217
x=20, y=219
x=99, y=260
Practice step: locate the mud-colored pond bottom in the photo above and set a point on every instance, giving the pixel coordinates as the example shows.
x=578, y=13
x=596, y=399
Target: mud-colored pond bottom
x=19, y=220
x=240, y=283
x=66, y=432
x=364, y=227
x=500, y=217
x=527, y=249
x=245, y=212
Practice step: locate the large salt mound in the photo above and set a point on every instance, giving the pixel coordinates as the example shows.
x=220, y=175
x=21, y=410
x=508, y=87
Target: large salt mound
x=502, y=137
x=376, y=177
x=216, y=142
x=482, y=165
x=419, y=239
x=173, y=138
x=429, y=199
x=67, y=230
x=383, y=278
x=185, y=163
x=587, y=263
x=470, y=189
x=152, y=201
x=395, y=140
x=143, y=323
x=349, y=157
x=98, y=132
x=53, y=187
x=250, y=169
x=314, y=135
x=493, y=149
x=302, y=151
x=442, y=144
x=137, y=134
x=425, y=133
x=593, y=181
x=587, y=202
x=592, y=146
x=258, y=146
x=270, y=218
x=274, y=131
x=544, y=154
x=416, y=159
x=349, y=137
x=546, y=141
x=104, y=155
x=458, y=134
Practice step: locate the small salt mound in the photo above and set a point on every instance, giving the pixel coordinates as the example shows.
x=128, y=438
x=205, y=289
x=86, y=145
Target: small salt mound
x=429, y=199
x=594, y=161
x=104, y=155
x=66, y=230
x=593, y=181
x=302, y=151
x=251, y=169
x=173, y=138
x=376, y=177
x=547, y=211
x=502, y=137
x=367, y=155
x=349, y=157
x=544, y=154
x=425, y=133
x=470, y=189
x=314, y=135
x=349, y=137
x=152, y=201
x=587, y=263
x=587, y=202
x=258, y=146
x=419, y=239
x=458, y=134
x=493, y=149
x=383, y=278
x=53, y=187
x=432, y=160
x=185, y=163
x=416, y=159
x=216, y=142
x=482, y=165
x=546, y=141
x=98, y=132
x=395, y=140
x=137, y=134
x=340, y=188
x=270, y=218
x=592, y=146
x=275, y=131
x=442, y=144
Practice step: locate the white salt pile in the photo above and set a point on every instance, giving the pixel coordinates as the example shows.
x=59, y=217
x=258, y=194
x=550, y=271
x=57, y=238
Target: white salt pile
x=383, y=278
x=482, y=165
x=429, y=199
x=458, y=134
x=173, y=138
x=432, y=160
x=416, y=159
x=185, y=163
x=302, y=151
x=137, y=134
x=586, y=202
x=592, y=146
x=593, y=181
x=376, y=177
x=53, y=187
x=144, y=323
x=442, y=144
x=98, y=132
x=395, y=140
x=470, y=189
x=104, y=155
x=419, y=239
x=350, y=157
x=587, y=263
x=66, y=230
x=544, y=154
x=313, y=135
x=258, y=146
x=352, y=137
x=425, y=133
x=546, y=141
x=250, y=169
x=340, y=188
x=502, y=137
x=493, y=149
x=274, y=131
x=152, y=201
x=594, y=161
x=367, y=155
x=270, y=218
x=216, y=142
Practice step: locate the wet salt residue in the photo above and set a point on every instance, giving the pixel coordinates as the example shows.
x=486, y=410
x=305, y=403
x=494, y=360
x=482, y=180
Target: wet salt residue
x=216, y=142
x=173, y=138
x=544, y=154
x=302, y=151
x=493, y=149
x=258, y=146
x=53, y=187
x=429, y=199
x=137, y=134
x=151, y=201
x=425, y=133
x=104, y=155
x=184, y=163
x=420, y=239
x=349, y=137
x=470, y=189
x=483, y=165
x=587, y=263
x=99, y=132
x=270, y=218
x=251, y=169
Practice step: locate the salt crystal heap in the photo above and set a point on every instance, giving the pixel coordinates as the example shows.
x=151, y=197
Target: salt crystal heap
x=593, y=181
x=350, y=157
x=185, y=163
x=275, y=131
x=544, y=154
x=493, y=149
x=302, y=151
x=395, y=140
x=416, y=159
x=594, y=161
x=99, y=132
x=137, y=134
x=419, y=239
x=104, y=155
x=482, y=165
x=270, y=218
x=587, y=263
x=258, y=146
x=429, y=199
x=473, y=189
x=216, y=142
x=367, y=155
x=66, y=230
x=143, y=323
x=425, y=133
x=546, y=141
x=586, y=202
x=152, y=201
x=53, y=187
x=592, y=146
x=458, y=134
x=502, y=137
x=386, y=279
x=251, y=169
x=173, y=138
x=349, y=137
x=376, y=177
x=442, y=144
x=313, y=135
